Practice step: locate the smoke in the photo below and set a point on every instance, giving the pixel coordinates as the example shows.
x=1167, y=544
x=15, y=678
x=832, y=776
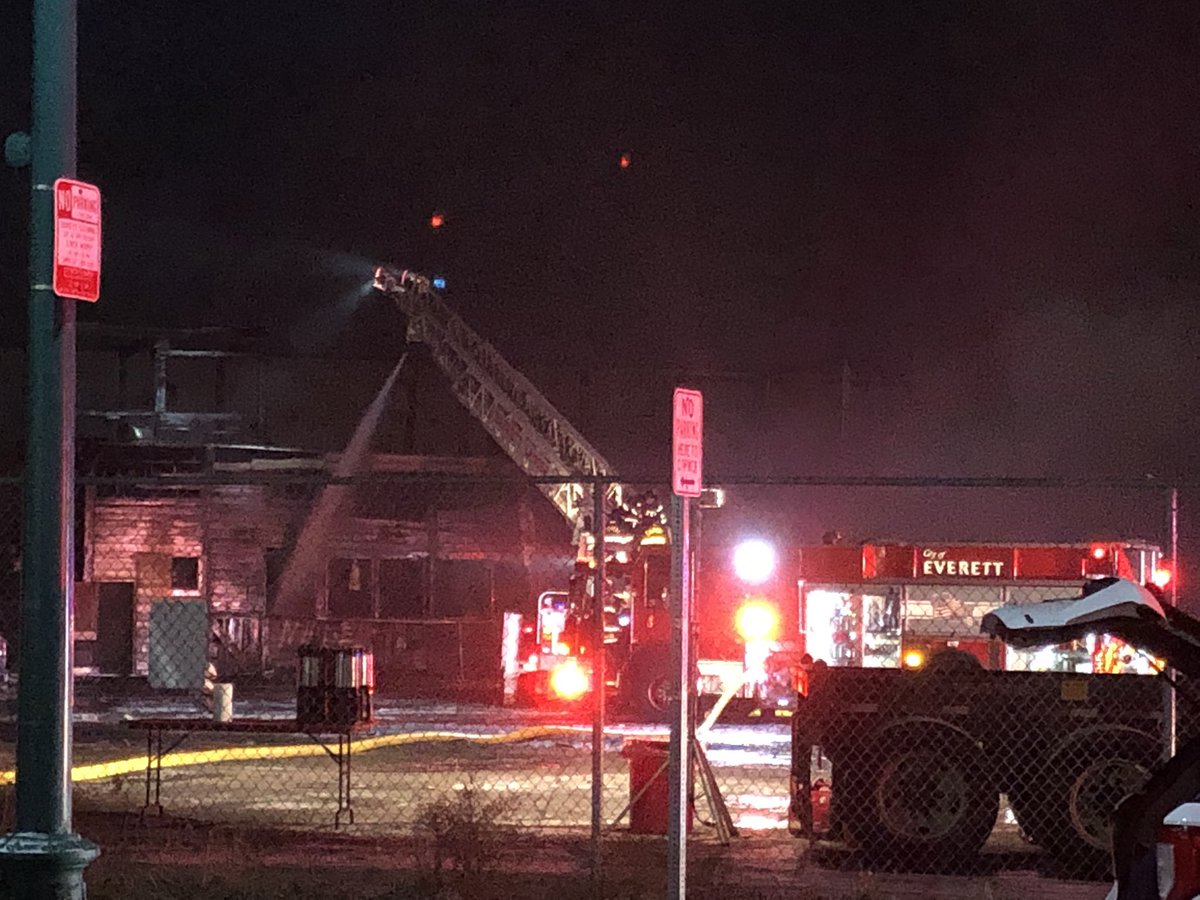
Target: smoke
x=181, y=273
x=318, y=329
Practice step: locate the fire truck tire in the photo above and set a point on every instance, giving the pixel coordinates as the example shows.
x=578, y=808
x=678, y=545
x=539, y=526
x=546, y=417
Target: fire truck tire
x=526, y=694
x=920, y=797
x=645, y=687
x=1067, y=807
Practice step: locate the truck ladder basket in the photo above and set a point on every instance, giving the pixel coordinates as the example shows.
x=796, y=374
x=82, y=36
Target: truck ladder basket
x=522, y=421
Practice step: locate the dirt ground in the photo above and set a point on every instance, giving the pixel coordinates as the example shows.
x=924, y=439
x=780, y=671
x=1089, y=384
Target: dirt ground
x=169, y=858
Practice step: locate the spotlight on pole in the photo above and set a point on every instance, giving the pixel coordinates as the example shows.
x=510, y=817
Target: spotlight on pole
x=754, y=561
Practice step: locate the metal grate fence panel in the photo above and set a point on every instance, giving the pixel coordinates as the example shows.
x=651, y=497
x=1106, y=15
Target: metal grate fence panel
x=916, y=741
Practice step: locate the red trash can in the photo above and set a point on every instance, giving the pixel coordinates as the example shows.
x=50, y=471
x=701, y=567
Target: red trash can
x=649, y=787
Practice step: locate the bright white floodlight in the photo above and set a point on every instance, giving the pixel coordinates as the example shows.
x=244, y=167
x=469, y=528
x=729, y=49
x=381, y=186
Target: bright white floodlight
x=754, y=561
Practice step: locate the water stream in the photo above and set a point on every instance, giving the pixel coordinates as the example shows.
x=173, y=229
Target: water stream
x=300, y=581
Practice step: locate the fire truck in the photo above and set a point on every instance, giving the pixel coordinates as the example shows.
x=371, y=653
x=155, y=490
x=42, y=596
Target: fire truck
x=912, y=725
x=893, y=605
x=556, y=647
x=549, y=653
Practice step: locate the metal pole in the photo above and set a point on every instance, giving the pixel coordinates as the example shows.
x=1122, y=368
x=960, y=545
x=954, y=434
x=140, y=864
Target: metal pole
x=679, y=768
x=44, y=859
x=599, y=679
x=1172, y=730
x=1174, y=546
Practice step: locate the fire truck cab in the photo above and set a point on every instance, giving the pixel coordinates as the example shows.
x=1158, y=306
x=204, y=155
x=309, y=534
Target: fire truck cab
x=898, y=605
x=558, y=645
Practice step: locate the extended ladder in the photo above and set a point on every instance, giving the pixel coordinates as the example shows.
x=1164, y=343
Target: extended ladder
x=522, y=421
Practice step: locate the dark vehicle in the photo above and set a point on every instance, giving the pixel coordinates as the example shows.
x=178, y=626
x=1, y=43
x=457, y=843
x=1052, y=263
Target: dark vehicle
x=918, y=760
x=920, y=731
x=1153, y=855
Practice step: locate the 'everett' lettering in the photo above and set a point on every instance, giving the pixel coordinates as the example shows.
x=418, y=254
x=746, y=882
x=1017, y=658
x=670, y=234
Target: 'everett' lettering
x=976, y=568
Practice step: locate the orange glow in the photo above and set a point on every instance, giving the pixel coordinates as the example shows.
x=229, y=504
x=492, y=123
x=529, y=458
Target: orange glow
x=569, y=681
x=1161, y=577
x=757, y=620
x=914, y=659
x=437, y=220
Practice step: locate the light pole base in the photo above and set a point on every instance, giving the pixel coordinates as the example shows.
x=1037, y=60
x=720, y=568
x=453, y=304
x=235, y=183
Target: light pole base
x=36, y=866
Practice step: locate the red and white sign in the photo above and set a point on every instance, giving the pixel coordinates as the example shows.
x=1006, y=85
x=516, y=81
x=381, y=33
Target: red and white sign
x=76, y=240
x=687, y=448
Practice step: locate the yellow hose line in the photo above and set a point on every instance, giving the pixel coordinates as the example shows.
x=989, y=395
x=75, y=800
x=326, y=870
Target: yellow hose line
x=98, y=771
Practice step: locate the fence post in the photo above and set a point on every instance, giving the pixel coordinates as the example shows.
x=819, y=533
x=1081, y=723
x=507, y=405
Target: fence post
x=1170, y=700
x=679, y=767
x=599, y=682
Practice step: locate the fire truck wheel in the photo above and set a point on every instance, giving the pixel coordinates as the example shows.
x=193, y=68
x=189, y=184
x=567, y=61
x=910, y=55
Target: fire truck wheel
x=645, y=687
x=526, y=694
x=1067, y=807
x=920, y=798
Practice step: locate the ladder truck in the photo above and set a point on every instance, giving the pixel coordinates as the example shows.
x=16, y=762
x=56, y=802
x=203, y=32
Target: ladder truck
x=567, y=469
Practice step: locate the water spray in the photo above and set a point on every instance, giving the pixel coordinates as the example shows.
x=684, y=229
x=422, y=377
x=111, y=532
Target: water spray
x=298, y=581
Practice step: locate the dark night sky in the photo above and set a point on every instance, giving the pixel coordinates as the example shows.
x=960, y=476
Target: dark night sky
x=995, y=203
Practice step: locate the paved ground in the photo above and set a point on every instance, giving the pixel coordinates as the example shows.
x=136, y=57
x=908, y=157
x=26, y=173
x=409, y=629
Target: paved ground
x=535, y=794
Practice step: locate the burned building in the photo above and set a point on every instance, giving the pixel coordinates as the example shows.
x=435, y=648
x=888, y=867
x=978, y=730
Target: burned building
x=415, y=555
x=418, y=560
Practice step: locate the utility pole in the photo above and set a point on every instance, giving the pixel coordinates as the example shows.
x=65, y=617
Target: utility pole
x=1170, y=697
x=44, y=859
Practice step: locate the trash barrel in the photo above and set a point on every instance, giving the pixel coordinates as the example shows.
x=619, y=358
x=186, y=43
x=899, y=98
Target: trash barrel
x=311, y=707
x=335, y=686
x=650, y=788
x=353, y=684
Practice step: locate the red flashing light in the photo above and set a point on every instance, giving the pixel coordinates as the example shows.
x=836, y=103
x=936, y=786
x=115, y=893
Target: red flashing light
x=757, y=620
x=625, y=161
x=437, y=220
x=1099, y=551
x=569, y=681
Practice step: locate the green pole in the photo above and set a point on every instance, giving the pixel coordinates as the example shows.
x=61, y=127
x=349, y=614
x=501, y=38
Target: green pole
x=43, y=859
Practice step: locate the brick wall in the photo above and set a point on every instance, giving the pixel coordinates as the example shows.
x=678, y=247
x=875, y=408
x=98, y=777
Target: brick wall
x=134, y=540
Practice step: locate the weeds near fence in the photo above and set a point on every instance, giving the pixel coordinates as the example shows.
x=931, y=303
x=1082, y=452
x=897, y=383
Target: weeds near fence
x=463, y=833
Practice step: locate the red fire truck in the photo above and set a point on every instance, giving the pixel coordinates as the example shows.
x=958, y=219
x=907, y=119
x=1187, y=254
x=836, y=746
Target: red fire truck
x=893, y=605
x=547, y=656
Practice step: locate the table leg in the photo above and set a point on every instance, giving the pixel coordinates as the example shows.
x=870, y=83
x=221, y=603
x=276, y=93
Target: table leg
x=149, y=767
x=154, y=755
x=349, y=757
x=158, y=773
x=343, y=763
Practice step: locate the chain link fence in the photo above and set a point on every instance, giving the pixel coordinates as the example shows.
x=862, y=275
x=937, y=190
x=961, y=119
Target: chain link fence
x=409, y=652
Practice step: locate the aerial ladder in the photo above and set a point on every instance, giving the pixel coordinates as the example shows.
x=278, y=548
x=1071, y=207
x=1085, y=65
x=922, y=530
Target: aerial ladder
x=568, y=470
x=535, y=435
